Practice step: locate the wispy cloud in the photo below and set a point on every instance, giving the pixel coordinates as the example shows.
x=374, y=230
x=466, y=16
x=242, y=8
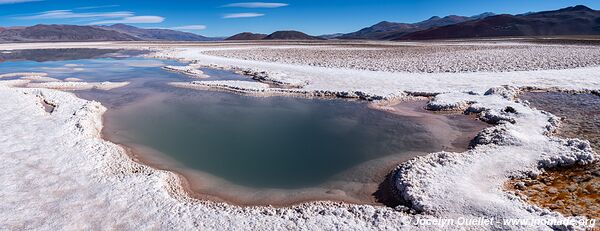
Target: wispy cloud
x=97, y=17
x=256, y=5
x=96, y=7
x=132, y=19
x=243, y=15
x=189, y=27
x=66, y=14
x=2, y=2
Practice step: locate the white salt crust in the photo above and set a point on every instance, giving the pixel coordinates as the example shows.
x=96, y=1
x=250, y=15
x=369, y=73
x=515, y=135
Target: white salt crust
x=79, y=85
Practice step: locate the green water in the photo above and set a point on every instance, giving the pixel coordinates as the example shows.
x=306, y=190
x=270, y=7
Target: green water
x=267, y=142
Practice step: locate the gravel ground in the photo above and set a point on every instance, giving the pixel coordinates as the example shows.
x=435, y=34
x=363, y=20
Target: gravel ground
x=425, y=58
x=575, y=190
x=572, y=191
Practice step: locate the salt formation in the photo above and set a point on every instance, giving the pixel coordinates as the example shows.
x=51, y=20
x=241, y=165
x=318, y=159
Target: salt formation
x=79, y=85
x=23, y=74
x=41, y=79
x=187, y=70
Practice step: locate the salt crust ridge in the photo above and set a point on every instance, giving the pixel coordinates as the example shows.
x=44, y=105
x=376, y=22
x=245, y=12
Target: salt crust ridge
x=79, y=85
x=375, y=85
x=186, y=70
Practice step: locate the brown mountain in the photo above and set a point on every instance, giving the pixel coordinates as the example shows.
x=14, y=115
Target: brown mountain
x=388, y=30
x=290, y=35
x=247, y=36
x=380, y=30
x=576, y=20
x=62, y=33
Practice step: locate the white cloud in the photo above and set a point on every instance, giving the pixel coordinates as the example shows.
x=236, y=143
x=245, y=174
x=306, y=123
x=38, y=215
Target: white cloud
x=96, y=7
x=104, y=17
x=243, y=15
x=2, y=2
x=65, y=14
x=189, y=27
x=132, y=19
x=257, y=4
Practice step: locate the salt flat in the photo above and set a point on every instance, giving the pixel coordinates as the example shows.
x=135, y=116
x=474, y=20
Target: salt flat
x=57, y=171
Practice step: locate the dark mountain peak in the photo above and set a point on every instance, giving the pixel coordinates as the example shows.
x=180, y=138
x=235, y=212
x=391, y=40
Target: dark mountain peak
x=571, y=9
x=290, y=35
x=577, y=8
x=434, y=18
x=247, y=36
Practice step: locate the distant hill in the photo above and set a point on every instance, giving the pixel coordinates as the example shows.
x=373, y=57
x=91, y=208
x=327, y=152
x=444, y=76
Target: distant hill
x=62, y=33
x=247, y=36
x=117, y=32
x=290, y=35
x=390, y=30
x=156, y=34
x=577, y=20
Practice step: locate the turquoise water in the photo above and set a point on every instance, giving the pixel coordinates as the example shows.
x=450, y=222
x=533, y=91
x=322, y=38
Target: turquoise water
x=267, y=142
x=255, y=142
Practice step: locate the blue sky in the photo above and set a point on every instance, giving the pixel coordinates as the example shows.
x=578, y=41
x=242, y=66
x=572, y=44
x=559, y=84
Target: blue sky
x=223, y=18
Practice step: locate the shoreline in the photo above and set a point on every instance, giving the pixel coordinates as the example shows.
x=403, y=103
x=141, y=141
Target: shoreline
x=197, y=183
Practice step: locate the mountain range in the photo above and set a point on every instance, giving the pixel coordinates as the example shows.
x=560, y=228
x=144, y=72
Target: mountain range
x=117, y=32
x=576, y=20
x=61, y=33
x=389, y=30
